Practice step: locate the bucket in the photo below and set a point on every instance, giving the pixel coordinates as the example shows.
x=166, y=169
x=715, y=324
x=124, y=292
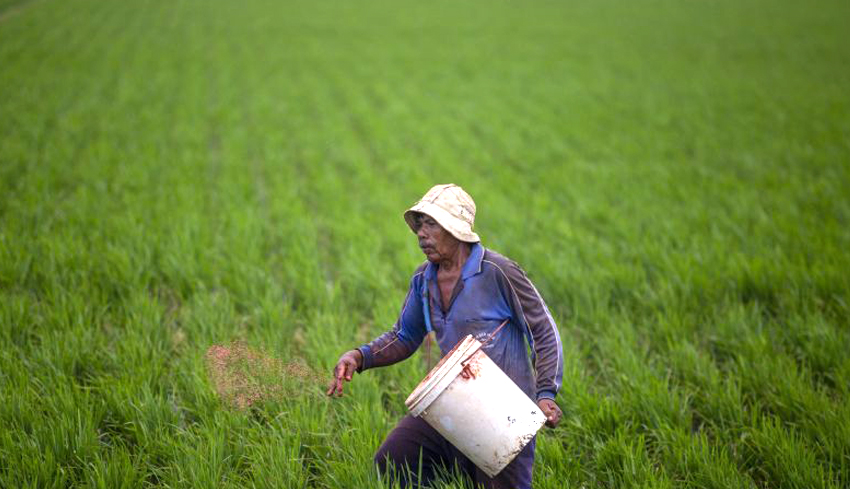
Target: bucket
x=485, y=416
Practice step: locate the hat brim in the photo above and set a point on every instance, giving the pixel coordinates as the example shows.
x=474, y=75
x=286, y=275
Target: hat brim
x=456, y=227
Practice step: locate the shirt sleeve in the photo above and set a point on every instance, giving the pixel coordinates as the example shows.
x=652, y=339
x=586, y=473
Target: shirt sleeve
x=406, y=335
x=545, y=338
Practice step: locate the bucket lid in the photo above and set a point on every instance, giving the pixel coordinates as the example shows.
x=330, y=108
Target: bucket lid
x=440, y=376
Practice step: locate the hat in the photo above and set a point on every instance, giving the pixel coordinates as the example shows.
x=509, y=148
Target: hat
x=451, y=207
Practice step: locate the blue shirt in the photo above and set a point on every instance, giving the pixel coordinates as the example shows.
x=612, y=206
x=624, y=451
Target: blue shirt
x=491, y=288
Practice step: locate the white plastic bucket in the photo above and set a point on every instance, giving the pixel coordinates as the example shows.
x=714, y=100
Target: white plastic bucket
x=486, y=416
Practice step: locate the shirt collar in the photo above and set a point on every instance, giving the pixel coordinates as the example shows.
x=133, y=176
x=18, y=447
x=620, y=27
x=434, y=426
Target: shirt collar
x=473, y=262
x=471, y=267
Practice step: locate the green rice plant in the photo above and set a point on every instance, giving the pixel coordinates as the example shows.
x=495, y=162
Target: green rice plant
x=178, y=175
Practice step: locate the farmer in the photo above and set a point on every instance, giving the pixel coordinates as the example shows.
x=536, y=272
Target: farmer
x=462, y=289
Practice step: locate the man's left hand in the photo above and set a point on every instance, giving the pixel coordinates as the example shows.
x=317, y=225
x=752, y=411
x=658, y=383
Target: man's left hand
x=551, y=410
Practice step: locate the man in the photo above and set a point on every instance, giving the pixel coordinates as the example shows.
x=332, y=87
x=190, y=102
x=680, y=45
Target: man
x=462, y=289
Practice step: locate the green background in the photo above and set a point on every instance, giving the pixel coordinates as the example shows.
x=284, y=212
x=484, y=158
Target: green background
x=673, y=176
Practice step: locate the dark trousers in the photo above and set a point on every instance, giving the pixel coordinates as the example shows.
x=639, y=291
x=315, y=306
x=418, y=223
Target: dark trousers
x=414, y=453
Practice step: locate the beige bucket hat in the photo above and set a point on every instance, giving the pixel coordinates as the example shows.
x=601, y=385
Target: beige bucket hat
x=451, y=207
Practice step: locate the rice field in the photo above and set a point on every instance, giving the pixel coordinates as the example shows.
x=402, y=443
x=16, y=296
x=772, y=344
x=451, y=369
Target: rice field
x=674, y=176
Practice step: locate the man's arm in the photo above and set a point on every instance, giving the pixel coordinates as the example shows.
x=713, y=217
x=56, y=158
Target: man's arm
x=406, y=335
x=531, y=310
x=549, y=364
x=390, y=347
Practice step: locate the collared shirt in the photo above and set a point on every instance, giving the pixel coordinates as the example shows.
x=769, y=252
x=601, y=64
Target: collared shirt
x=491, y=288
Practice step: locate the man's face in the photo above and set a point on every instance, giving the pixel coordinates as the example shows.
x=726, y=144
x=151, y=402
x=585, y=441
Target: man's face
x=435, y=242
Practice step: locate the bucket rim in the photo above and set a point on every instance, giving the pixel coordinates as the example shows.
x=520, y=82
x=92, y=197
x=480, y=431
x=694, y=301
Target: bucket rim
x=439, y=377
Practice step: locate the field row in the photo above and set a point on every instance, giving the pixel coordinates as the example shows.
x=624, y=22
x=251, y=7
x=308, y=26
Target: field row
x=177, y=175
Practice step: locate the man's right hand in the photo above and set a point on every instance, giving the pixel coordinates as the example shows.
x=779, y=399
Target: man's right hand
x=348, y=363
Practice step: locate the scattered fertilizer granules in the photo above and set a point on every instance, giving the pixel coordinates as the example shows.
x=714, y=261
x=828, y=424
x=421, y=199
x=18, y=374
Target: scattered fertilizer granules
x=243, y=376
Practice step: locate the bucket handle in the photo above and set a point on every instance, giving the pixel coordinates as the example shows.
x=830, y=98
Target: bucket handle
x=465, y=360
x=483, y=343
